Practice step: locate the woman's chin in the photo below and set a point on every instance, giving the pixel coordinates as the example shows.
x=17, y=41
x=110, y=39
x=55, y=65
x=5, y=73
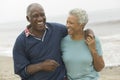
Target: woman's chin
x=69, y=33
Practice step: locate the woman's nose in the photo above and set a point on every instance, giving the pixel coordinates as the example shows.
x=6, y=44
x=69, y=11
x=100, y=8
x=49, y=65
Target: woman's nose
x=67, y=25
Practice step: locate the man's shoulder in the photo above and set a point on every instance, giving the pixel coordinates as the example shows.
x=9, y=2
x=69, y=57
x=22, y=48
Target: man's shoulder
x=54, y=24
x=21, y=36
x=66, y=39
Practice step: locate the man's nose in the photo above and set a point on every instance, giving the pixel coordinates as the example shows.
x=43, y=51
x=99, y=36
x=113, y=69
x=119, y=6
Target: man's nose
x=39, y=18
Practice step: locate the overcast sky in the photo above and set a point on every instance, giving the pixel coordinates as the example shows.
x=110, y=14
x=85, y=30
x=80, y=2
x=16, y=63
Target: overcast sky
x=15, y=10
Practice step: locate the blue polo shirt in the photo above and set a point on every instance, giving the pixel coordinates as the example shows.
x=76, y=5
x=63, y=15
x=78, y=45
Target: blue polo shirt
x=29, y=50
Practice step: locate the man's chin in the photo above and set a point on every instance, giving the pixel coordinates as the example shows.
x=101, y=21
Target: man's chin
x=41, y=29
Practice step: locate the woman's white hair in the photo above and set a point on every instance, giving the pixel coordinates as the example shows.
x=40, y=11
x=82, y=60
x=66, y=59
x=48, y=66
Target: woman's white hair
x=80, y=14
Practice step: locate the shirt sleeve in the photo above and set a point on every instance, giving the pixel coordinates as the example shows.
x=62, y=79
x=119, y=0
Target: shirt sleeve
x=64, y=31
x=98, y=46
x=20, y=59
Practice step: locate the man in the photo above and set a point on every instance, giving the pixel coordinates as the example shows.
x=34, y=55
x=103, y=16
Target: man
x=36, y=52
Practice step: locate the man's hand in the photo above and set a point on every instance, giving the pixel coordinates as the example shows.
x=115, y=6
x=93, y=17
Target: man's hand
x=90, y=40
x=49, y=65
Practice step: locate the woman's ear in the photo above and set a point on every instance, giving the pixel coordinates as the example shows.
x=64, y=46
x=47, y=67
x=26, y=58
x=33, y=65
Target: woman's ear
x=82, y=26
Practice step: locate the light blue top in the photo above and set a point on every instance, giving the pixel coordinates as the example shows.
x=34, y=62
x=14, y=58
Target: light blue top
x=78, y=59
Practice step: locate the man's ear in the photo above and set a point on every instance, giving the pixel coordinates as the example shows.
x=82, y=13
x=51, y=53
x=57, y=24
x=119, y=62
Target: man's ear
x=28, y=19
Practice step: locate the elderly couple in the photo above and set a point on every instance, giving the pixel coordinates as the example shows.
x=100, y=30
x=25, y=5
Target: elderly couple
x=52, y=51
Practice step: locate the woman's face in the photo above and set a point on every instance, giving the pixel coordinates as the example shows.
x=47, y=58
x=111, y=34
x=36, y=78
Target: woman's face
x=72, y=25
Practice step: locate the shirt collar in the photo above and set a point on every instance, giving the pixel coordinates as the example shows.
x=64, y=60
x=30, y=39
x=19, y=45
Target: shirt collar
x=27, y=31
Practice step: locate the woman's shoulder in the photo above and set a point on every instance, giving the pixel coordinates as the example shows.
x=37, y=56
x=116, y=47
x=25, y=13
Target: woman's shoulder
x=97, y=39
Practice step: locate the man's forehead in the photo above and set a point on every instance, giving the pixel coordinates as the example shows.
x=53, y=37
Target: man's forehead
x=35, y=7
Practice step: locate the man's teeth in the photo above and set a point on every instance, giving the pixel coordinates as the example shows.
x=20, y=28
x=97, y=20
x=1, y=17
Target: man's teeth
x=40, y=23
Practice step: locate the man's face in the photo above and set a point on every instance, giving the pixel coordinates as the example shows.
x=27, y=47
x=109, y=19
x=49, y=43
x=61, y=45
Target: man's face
x=37, y=18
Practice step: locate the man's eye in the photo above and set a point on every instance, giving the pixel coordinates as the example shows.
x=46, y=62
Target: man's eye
x=42, y=14
x=35, y=16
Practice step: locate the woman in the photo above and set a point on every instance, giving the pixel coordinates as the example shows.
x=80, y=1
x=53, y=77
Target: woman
x=82, y=57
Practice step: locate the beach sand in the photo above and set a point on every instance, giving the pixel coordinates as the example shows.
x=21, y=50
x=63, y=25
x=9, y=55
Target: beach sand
x=6, y=69
x=7, y=72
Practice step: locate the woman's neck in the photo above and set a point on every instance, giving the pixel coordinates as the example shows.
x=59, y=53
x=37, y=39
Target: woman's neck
x=77, y=36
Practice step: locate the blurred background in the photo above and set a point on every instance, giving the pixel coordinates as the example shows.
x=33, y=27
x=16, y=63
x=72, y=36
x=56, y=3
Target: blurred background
x=104, y=20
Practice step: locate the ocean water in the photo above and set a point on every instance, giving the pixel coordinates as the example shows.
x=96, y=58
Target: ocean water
x=107, y=30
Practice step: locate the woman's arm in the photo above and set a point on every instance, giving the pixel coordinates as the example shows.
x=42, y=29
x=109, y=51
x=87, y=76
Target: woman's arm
x=95, y=49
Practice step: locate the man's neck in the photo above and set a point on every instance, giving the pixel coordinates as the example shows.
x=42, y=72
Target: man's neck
x=37, y=33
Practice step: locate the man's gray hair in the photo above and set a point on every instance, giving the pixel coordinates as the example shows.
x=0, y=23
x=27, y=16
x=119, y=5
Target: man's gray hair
x=31, y=6
x=80, y=14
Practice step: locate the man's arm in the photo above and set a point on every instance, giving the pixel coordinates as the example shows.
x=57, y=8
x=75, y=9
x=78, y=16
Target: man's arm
x=47, y=65
x=19, y=58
